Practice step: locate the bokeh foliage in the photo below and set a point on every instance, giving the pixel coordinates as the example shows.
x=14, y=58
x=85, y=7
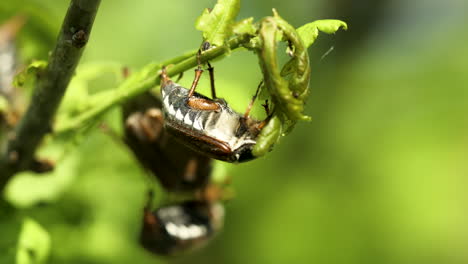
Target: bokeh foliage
x=378, y=176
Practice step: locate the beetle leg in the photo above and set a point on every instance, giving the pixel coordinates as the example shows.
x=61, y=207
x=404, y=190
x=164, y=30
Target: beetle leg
x=200, y=103
x=262, y=124
x=198, y=73
x=212, y=81
x=266, y=106
x=249, y=107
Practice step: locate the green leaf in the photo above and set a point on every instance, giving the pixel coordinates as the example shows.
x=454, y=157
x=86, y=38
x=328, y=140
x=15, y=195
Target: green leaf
x=245, y=26
x=309, y=32
x=33, y=244
x=33, y=68
x=217, y=24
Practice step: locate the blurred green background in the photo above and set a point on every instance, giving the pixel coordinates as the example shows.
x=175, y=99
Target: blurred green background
x=378, y=176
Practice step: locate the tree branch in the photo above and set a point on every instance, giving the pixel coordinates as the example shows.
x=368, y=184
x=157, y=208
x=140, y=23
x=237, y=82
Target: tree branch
x=49, y=90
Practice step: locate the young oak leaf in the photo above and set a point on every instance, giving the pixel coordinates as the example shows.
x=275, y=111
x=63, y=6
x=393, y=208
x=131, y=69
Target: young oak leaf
x=309, y=32
x=217, y=24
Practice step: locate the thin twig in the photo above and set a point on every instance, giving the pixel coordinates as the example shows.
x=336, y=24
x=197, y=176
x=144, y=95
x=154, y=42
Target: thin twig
x=50, y=88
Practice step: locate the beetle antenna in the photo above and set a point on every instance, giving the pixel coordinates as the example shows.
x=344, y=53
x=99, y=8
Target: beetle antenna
x=269, y=113
x=249, y=108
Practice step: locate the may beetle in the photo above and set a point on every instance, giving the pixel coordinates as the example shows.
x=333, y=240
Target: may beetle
x=206, y=125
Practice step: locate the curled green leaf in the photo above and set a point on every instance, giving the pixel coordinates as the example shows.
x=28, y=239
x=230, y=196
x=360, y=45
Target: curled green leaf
x=299, y=63
x=288, y=96
x=217, y=24
x=289, y=87
x=309, y=32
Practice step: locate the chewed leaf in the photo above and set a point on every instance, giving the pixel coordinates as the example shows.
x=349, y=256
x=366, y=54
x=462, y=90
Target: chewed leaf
x=309, y=32
x=217, y=24
x=33, y=244
x=32, y=68
x=245, y=26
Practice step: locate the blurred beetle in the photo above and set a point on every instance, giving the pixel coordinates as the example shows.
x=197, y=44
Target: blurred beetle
x=177, y=167
x=180, y=227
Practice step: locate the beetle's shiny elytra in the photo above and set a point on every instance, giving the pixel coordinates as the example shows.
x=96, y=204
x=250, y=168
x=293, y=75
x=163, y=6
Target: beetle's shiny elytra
x=176, y=228
x=206, y=125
